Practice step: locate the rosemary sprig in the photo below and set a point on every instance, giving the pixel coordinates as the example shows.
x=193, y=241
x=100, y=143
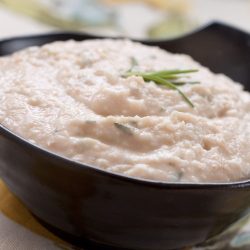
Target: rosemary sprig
x=168, y=78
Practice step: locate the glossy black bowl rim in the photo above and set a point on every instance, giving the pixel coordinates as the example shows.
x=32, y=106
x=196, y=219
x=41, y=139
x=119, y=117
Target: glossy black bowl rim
x=137, y=181
x=92, y=35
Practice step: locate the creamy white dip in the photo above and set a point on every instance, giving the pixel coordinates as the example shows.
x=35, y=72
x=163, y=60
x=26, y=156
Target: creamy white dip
x=70, y=98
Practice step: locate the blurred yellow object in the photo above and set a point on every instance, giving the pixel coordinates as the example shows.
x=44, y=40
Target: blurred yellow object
x=28, y=7
x=64, y=14
x=176, y=6
x=14, y=209
x=171, y=27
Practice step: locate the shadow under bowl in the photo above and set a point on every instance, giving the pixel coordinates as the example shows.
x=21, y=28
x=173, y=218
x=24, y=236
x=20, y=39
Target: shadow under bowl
x=112, y=210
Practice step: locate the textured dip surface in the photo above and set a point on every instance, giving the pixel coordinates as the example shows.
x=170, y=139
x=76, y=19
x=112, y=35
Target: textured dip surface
x=70, y=98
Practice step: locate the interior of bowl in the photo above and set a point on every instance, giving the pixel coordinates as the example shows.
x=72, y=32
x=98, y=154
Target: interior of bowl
x=221, y=48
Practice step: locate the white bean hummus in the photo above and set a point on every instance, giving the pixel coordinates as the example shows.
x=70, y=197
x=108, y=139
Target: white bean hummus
x=72, y=98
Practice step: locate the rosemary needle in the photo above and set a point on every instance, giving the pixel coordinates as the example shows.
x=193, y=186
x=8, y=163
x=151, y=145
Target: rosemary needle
x=134, y=63
x=123, y=128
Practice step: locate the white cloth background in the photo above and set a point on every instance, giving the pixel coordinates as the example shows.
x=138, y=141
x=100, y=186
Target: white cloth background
x=16, y=237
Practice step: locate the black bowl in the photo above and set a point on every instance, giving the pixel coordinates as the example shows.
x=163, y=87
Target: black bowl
x=116, y=211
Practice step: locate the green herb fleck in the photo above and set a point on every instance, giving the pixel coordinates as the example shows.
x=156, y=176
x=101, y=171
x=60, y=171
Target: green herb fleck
x=134, y=63
x=133, y=123
x=153, y=56
x=162, y=109
x=179, y=176
x=123, y=128
x=90, y=122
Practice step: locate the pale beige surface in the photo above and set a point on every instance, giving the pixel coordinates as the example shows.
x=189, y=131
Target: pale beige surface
x=23, y=240
x=19, y=230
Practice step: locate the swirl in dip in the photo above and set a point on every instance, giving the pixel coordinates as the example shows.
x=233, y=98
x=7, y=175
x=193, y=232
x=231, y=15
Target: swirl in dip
x=71, y=98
